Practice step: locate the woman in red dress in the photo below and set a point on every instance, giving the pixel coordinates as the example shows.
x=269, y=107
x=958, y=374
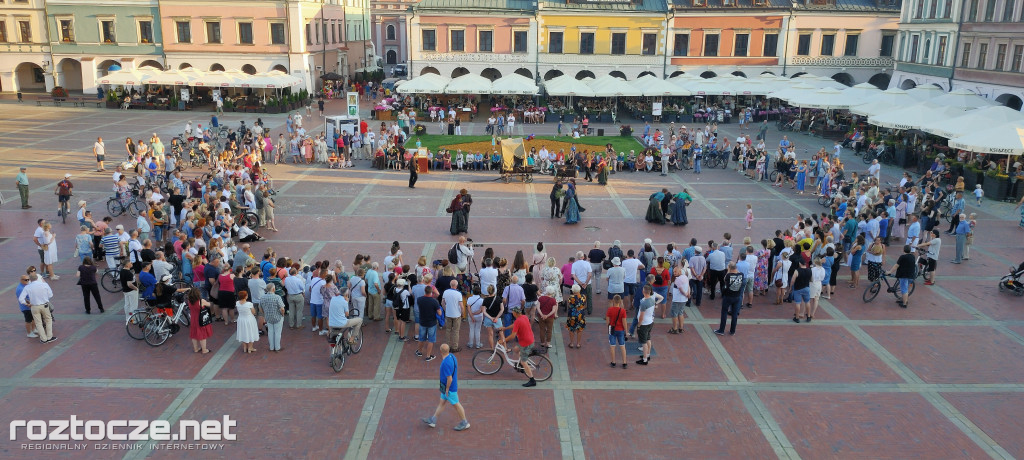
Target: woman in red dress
x=198, y=333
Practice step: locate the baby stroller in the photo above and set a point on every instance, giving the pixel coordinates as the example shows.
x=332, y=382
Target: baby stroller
x=1011, y=281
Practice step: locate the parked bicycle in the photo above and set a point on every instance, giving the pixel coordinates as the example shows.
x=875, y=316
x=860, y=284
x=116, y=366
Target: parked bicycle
x=160, y=326
x=489, y=362
x=111, y=278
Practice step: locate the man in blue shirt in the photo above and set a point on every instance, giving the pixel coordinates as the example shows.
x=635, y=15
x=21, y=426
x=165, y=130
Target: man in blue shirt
x=26, y=311
x=914, y=231
x=373, y=291
x=958, y=208
x=449, y=387
x=337, y=314
x=962, y=229
x=147, y=280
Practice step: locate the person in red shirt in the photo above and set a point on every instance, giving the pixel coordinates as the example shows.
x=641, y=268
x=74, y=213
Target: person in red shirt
x=546, y=313
x=522, y=331
x=616, y=318
x=661, y=288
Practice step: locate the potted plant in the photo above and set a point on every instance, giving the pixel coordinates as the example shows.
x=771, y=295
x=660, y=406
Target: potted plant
x=111, y=100
x=552, y=114
x=625, y=130
x=173, y=103
x=59, y=93
x=972, y=177
x=421, y=129
x=995, y=185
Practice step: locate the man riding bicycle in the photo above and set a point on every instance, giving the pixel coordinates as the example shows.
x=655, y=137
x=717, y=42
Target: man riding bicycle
x=64, y=190
x=524, y=334
x=339, y=318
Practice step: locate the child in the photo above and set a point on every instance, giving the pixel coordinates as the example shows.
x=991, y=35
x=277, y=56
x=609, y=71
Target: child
x=750, y=215
x=978, y=193
x=973, y=220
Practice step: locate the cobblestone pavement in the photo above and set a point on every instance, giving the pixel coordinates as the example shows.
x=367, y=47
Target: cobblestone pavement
x=942, y=379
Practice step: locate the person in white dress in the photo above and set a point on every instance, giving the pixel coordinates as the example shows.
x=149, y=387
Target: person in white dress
x=50, y=251
x=248, y=331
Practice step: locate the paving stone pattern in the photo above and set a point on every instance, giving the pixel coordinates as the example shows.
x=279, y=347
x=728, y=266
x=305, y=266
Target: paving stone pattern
x=942, y=379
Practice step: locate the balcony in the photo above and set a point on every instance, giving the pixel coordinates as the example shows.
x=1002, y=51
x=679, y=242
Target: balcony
x=841, y=61
x=602, y=59
x=475, y=57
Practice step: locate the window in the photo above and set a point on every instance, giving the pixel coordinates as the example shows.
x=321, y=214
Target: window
x=973, y=11
x=619, y=43
x=429, y=40
x=334, y=33
x=485, y=41
x=519, y=41
x=391, y=32
x=803, y=45
x=887, y=42
x=990, y=10
x=926, y=56
x=915, y=42
x=1008, y=11
x=650, y=44
x=213, y=32
x=851, y=45
x=919, y=10
x=146, y=31
x=457, y=41
x=555, y=42
x=741, y=45
x=1000, y=57
x=771, y=45
x=982, y=55
x=587, y=43
x=245, y=33
x=309, y=34
x=940, y=58
x=66, y=31
x=107, y=31
x=25, y=30
x=3, y=31
x=1018, y=54
x=277, y=36
x=184, y=31
x=966, y=55
x=828, y=44
x=711, y=45
x=932, y=7
x=947, y=9
x=681, y=45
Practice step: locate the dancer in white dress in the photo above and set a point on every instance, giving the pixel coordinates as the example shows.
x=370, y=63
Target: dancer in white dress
x=248, y=331
x=50, y=253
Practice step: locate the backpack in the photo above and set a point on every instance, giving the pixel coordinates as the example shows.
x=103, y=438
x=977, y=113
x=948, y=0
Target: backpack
x=453, y=254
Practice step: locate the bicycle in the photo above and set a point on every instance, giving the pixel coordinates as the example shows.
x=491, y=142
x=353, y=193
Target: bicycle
x=342, y=347
x=159, y=327
x=63, y=210
x=489, y=362
x=875, y=287
x=134, y=206
x=247, y=216
x=111, y=279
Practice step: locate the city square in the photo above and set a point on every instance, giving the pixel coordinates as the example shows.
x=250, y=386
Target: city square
x=940, y=379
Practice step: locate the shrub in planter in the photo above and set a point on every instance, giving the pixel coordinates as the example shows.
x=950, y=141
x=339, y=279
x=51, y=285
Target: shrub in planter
x=58, y=92
x=625, y=131
x=421, y=129
x=995, y=185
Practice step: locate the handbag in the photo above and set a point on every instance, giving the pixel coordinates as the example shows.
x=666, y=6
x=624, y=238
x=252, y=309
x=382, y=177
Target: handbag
x=606, y=264
x=205, y=317
x=778, y=283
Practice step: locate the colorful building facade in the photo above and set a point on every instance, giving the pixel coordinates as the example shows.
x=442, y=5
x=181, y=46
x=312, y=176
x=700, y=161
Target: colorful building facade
x=25, y=61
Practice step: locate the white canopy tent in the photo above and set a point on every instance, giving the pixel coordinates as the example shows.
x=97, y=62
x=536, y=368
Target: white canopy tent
x=215, y=79
x=609, y=86
x=272, y=80
x=1006, y=139
x=925, y=93
x=129, y=77
x=173, y=78
x=861, y=93
x=962, y=98
x=884, y=101
x=514, y=84
x=650, y=85
x=975, y=121
x=468, y=84
x=424, y=84
x=796, y=90
x=566, y=85
x=754, y=86
x=825, y=98
x=704, y=87
x=915, y=116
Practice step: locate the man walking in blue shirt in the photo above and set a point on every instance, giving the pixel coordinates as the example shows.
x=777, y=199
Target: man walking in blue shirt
x=449, y=387
x=962, y=229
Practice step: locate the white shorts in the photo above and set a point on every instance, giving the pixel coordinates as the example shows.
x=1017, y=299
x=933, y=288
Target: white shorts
x=815, y=290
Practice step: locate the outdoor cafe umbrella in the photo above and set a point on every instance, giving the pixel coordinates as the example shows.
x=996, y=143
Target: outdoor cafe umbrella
x=1006, y=139
x=514, y=84
x=128, y=77
x=654, y=86
x=927, y=92
x=215, y=79
x=962, y=98
x=566, y=85
x=468, y=84
x=424, y=84
x=172, y=78
x=884, y=101
x=975, y=121
x=609, y=86
x=915, y=116
x=793, y=91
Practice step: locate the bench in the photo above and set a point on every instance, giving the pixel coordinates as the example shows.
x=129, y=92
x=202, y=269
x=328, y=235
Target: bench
x=41, y=99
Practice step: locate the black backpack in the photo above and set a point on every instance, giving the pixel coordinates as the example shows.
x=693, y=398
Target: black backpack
x=453, y=254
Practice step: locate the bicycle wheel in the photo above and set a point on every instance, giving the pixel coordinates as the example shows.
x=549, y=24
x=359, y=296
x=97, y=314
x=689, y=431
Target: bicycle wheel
x=724, y=163
x=185, y=318
x=910, y=289
x=63, y=212
x=337, y=359
x=867, y=158
x=948, y=216
x=114, y=207
x=110, y=282
x=252, y=219
x=872, y=291
x=542, y=367
x=136, y=207
x=824, y=200
x=773, y=176
x=157, y=332
x=487, y=362
x=357, y=343
x=137, y=325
